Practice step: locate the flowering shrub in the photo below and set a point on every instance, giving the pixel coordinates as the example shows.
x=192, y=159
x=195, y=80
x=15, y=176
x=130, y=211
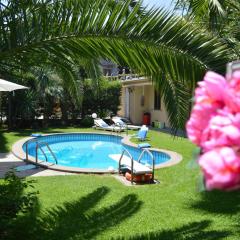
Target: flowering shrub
x=214, y=126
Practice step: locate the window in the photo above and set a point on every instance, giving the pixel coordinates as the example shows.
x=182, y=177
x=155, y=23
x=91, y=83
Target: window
x=157, y=100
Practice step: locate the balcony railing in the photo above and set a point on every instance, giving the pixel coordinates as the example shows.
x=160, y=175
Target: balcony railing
x=125, y=77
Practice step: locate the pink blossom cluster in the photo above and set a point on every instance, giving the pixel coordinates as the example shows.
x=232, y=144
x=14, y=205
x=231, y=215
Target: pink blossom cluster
x=214, y=126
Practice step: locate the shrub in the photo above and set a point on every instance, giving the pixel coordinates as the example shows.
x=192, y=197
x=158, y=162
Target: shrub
x=14, y=200
x=87, y=121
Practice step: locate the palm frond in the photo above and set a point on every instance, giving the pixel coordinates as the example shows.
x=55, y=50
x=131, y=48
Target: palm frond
x=149, y=41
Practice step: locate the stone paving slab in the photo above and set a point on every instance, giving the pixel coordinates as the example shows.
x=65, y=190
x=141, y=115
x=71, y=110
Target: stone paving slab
x=8, y=161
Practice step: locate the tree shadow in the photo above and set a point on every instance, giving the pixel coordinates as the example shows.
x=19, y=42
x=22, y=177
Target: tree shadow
x=192, y=231
x=3, y=143
x=28, y=132
x=4, y=147
x=219, y=202
x=21, y=168
x=77, y=219
x=49, y=130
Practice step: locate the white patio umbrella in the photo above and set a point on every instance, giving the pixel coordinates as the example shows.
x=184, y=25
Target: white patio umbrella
x=6, y=86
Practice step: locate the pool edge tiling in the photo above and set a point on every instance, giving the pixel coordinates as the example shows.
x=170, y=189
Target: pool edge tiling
x=18, y=151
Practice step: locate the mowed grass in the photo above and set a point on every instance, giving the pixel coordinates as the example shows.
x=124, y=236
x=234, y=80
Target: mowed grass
x=100, y=207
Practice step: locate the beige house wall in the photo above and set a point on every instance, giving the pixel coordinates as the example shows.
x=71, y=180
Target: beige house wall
x=121, y=111
x=136, y=108
x=157, y=115
x=137, y=91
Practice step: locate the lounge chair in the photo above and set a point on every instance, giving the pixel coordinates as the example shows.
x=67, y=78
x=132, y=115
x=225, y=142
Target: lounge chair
x=117, y=121
x=142, y=134
x=100, y=124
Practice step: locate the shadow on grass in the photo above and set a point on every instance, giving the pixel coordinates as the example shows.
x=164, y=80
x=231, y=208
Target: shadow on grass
x=28, y=132
x=3, y=143
x=73, y=220
x=7, y=138
x=219, y=202
x=78, y=220
x=192, y=231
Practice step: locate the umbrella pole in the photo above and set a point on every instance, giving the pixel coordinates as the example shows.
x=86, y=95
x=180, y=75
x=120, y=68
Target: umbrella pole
x=9, y=110
x=1, y=122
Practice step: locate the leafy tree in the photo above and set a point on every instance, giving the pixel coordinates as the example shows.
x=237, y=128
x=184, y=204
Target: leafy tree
x=152, y=42
x=103, y=100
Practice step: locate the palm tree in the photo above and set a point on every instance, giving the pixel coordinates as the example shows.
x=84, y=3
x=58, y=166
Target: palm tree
x=200, y=8
x=152, y=42
x=221, y=18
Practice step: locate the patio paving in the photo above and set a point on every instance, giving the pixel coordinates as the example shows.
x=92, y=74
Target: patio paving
x=8, y=161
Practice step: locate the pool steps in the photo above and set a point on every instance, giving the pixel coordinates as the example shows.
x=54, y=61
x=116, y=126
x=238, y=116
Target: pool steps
x=136, y=167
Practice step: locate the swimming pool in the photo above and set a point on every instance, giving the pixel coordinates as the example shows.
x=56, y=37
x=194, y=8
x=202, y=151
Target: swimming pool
x=88, y=150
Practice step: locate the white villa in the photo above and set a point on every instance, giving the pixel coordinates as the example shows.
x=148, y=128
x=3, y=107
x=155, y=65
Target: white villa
x=139, y=97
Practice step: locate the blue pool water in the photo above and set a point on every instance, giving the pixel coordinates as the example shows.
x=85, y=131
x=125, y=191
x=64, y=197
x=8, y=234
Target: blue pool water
x=88, y=150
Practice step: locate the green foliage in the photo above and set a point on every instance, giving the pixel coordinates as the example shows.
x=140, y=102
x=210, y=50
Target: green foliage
x=218, y=16
x=205, y=8
x=14, y=200
x=87, y=121
x=26, y=104
x=102, y=98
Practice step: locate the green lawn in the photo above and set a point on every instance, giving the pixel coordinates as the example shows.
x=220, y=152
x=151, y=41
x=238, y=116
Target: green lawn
x=100, y=207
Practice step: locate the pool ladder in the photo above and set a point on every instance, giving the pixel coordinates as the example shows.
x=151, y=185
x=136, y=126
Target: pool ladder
x=139, y=160
x=39, y=145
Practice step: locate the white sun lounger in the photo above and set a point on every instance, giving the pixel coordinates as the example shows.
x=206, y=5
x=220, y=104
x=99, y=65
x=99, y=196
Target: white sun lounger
x=119, y=122
x=100, y=124
x=138, y=168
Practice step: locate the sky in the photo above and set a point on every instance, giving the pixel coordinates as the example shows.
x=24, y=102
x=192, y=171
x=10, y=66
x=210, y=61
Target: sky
x=158, y=3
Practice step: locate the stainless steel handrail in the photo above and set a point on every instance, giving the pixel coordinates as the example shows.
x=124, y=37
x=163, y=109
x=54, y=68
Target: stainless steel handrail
x=38, y=146
x=152, y=157
x=119, y=164
x=29, y=141
x=49, y=149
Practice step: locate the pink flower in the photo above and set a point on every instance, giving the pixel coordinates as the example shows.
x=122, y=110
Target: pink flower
x=214, y=125
x=232, y=95
x=221, y=168
x=213, y=87
x=209, y=98
x=223, y=130
x=198, y=121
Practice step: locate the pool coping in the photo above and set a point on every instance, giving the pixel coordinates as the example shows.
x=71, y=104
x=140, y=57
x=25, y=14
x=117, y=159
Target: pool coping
x=17, y=150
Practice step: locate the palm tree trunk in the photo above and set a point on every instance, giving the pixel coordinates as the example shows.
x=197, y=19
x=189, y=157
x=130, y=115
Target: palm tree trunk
x=1, y=122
